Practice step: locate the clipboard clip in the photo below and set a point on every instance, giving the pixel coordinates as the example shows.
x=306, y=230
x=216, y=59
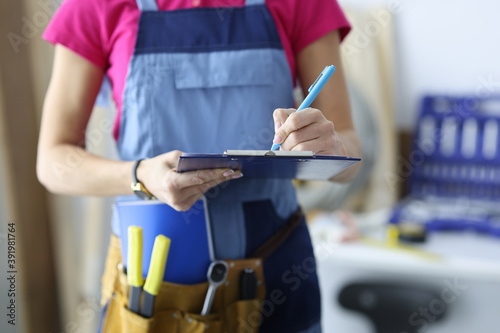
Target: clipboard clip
x=268, y=153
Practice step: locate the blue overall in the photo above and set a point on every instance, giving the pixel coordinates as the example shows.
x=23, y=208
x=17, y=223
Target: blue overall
x=205, y=80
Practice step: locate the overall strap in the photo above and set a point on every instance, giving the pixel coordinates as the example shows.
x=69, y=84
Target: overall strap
x=147, y=5
x=255, y=2
x=151, y=4
x=269, y=246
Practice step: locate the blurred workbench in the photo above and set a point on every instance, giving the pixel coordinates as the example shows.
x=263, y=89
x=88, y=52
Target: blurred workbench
x=468, y=259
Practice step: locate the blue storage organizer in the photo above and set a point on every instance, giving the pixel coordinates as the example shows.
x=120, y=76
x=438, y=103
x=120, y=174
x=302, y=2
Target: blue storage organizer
x=454, y=168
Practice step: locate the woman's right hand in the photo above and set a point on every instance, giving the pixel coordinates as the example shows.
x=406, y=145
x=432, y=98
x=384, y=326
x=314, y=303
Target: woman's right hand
x=179, y=190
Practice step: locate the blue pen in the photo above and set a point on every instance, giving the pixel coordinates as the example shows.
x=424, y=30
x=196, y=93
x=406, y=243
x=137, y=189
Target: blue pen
x=313, y=92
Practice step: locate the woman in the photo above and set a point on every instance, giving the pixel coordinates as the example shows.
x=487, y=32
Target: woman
x=203, y=76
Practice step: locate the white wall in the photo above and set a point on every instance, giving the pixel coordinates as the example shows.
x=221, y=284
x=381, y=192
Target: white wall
x=443, y=47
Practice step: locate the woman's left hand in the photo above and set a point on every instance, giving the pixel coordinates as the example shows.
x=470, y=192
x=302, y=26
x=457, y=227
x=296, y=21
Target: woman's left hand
x=307, y=130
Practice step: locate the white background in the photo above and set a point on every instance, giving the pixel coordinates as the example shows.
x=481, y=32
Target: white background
x=443, y=47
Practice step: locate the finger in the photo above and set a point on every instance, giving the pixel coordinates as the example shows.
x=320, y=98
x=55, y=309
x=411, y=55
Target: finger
x=183, y=185
x=308, y=133
x=296, y=121
x=280, y=116
x=315, y=145
x=321, y=147
x=200, y=189
x=187, y=203
x=199, y=177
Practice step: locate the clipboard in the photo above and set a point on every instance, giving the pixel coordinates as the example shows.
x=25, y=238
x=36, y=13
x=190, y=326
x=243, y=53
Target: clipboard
x=302, y=165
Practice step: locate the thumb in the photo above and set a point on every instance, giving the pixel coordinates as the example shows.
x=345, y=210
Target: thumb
x=172, y=157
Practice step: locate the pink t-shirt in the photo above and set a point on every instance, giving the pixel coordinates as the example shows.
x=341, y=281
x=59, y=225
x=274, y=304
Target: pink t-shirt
x=104, y=31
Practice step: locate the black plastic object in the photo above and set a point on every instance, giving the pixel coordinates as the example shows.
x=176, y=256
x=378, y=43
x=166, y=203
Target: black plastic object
x=394, y=307
x=248, y=284
x=412, y=232
x=148, y=302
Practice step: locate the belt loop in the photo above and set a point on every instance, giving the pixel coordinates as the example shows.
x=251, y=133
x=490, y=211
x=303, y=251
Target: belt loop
x=147, y=5
x=254, y=2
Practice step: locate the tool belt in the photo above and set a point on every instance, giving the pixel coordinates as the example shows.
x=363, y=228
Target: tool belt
x=177, y=307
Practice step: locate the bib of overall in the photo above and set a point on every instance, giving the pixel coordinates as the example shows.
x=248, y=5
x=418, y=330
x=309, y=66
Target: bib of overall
x=204, y=80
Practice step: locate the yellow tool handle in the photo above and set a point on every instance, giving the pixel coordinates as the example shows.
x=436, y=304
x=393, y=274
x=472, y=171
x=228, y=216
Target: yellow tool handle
x=134, y=257
x=157, y=265
x=402, y=248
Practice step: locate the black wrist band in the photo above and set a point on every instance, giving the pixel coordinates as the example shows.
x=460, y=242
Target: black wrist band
x=134, y=170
